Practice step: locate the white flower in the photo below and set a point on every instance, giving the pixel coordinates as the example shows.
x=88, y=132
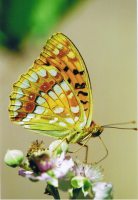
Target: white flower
x=62, y=165
x=46, y=165
x=92, y=173
x=102, y=190
x=85, y=177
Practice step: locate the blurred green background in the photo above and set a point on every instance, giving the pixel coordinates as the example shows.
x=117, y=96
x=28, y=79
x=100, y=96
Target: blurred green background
x=20, y=20
x=105, y=33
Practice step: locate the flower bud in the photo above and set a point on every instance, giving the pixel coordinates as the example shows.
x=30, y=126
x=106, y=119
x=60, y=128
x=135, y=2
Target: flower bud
x=58, y=146
x=13, y=158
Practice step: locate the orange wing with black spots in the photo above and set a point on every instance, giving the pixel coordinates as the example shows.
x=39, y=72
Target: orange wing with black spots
x=62, y=53
x=54, y=96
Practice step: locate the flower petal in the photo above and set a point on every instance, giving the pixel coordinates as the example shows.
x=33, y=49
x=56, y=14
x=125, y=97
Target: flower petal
x=58, y=146
x=62, y=169
x=53, y=181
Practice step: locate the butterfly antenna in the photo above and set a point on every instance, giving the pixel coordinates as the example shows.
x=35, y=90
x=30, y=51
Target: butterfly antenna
x=122, y=123
x=135, y=129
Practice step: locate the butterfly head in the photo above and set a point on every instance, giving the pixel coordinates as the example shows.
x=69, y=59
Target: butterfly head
x=96, y=130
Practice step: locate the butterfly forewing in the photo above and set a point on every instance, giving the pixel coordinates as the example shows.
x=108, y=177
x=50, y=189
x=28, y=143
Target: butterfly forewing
x=54, y=96
x=73, y=68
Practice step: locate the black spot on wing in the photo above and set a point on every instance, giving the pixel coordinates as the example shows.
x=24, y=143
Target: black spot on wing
x=80, y=86
x=83, y=93
x=66, y=68
x=75, y=72
x=69, y=80
x=82, y=72
x=48, y=64
x=84, y=102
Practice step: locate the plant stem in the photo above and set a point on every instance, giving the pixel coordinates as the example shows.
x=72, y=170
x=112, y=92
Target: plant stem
x=51, y=190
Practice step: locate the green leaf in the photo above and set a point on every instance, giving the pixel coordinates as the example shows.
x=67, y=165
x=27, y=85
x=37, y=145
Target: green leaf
x=77, y=182
x=78, y=194
x=87, y=185
x=64, y=184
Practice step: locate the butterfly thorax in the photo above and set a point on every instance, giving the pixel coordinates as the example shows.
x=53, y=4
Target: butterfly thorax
x=80, y=135
x=95, y=129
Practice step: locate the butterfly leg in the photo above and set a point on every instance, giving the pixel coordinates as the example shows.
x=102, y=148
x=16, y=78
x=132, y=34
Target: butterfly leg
x=86, y=151
x=86, y=147
x=106, y=150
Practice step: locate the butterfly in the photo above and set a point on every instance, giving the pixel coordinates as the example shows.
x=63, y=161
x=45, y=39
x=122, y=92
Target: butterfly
x=54, y=97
